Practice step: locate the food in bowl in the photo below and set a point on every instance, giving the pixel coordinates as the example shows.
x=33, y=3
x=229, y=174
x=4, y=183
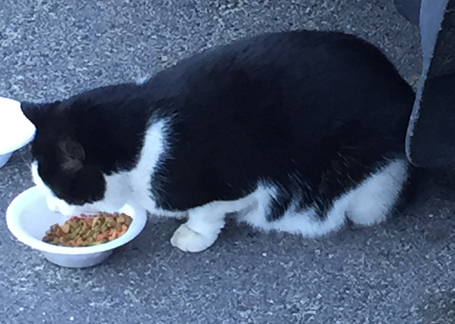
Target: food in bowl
x=83, y=230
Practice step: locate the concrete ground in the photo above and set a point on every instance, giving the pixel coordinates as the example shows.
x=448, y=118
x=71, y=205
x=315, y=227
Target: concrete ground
x=399, y=272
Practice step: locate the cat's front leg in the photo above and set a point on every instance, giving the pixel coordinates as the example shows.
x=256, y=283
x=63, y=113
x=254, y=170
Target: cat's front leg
x=201, y=230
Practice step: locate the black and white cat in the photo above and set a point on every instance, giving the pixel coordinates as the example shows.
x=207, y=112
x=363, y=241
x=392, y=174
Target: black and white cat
x=295, y=131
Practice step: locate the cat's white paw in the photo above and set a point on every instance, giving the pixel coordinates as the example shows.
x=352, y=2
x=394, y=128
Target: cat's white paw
x=188, y=240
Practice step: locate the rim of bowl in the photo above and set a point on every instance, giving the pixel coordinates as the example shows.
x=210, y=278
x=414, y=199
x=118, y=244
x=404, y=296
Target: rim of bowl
x=32, y=194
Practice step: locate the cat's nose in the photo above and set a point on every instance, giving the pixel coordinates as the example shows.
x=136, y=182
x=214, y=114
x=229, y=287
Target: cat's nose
x=60, y=206
x=52, y=204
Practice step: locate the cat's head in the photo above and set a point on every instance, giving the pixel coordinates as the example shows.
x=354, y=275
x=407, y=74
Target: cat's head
x=66, y=159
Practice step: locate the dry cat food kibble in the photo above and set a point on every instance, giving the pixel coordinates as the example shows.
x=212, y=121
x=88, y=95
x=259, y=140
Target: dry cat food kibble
x=89, y=230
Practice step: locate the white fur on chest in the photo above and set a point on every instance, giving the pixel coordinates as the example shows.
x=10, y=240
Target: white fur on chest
x=153, y=153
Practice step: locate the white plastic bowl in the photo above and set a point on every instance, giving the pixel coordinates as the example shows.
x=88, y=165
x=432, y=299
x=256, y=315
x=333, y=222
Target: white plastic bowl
x=16, y=130
x=28, y=218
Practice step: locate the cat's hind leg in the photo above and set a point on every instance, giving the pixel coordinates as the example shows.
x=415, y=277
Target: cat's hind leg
x=205, y=223
x=373, y=200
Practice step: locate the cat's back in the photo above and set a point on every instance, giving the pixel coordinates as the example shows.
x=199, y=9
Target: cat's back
x=313, y=78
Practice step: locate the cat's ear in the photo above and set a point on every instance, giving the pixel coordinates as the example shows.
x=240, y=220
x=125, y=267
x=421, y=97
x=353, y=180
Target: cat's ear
x=36, y=112
x=73, y=155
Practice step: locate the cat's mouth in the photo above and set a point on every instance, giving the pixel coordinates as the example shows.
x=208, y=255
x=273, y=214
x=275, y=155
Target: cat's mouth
x=68, y=210
x=62, y=207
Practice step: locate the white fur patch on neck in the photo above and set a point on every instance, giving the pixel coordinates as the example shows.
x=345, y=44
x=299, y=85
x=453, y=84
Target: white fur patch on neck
x=155, y=150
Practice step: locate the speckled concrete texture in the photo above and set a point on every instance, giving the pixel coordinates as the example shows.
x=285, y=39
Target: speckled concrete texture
x=399, y=272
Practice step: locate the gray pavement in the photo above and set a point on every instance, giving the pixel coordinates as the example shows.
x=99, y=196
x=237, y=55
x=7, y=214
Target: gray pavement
x=398, y=272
